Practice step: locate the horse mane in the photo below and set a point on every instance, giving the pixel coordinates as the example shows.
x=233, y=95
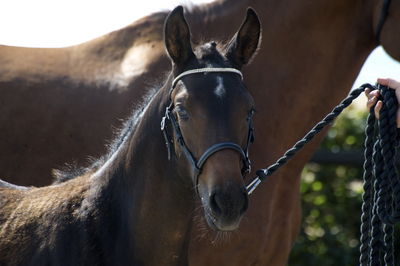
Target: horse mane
x=72, y=170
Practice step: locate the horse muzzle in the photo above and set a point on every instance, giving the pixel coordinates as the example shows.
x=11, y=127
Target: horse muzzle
x=225, y=206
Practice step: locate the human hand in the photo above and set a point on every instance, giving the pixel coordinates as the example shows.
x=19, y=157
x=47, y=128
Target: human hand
x=374, y=95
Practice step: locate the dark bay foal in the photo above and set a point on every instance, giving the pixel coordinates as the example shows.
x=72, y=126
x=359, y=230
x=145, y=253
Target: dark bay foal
x=135, y=206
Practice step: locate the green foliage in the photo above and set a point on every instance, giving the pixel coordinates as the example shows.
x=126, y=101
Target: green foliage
x=331, y=200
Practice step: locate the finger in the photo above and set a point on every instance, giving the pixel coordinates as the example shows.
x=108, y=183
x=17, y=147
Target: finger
x=375, y=93
x=394, y=84
x=398, y=118
x=383, y=81
x=391, y=83
x=367, y=92
x=372, y=101
x=372, y=94
x=398, y=95
x=378, y=108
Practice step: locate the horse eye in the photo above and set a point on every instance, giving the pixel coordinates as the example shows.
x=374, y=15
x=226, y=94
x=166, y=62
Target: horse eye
x=182, y=113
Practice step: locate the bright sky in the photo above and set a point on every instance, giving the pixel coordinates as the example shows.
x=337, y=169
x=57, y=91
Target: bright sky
x=57, y=23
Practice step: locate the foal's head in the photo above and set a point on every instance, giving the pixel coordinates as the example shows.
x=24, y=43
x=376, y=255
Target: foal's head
x=209, y=120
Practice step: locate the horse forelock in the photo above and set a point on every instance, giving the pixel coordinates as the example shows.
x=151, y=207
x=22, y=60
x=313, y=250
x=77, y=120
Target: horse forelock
x=211, y=54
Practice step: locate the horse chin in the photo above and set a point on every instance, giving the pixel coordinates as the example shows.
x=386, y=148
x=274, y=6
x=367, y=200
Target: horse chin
x=218, y=225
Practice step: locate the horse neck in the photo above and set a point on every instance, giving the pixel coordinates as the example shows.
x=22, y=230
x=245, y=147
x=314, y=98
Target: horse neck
x=213, y=18
x=312, y=60
x=147, y=190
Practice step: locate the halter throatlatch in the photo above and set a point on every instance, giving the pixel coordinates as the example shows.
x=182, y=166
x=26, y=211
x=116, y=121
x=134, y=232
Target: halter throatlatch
x=197, y=165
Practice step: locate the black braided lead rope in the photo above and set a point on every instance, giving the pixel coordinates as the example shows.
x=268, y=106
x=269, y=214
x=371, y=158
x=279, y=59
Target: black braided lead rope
x=384, y=195
x=381, y=197
x=262, y=174
x=366, y=209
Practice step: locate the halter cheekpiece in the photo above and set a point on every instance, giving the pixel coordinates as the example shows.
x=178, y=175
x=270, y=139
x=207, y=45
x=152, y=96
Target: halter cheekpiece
x=197, y=165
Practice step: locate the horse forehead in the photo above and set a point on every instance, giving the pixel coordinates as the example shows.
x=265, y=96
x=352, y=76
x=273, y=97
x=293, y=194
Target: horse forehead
x=215, y=85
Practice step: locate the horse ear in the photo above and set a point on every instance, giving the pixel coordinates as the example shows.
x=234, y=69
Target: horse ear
x=177, y=36
x=244, y=44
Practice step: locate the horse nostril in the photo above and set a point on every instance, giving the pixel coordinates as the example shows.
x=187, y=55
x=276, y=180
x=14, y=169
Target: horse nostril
x=214, y=205
x=226, y=204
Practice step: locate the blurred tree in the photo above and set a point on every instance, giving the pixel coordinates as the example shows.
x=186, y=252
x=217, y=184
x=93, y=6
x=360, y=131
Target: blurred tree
x=331, y=200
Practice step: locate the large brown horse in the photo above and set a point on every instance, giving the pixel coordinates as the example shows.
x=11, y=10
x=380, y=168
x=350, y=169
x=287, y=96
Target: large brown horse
x=134, y=207
x=309, y=60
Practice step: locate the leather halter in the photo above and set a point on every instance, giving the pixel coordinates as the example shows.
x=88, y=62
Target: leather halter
x=197, y=165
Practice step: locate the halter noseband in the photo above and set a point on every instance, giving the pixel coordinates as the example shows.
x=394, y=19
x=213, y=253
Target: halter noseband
x=197, y=165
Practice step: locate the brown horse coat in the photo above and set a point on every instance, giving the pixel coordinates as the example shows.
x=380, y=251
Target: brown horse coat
x=310, y=56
